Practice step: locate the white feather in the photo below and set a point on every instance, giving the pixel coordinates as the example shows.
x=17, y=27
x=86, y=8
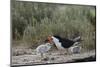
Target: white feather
x=57, y=43
x=43, y=48
x=75, y=49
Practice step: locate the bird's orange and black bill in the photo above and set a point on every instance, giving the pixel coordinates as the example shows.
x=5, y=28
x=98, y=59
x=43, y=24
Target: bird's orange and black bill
x=49, y=39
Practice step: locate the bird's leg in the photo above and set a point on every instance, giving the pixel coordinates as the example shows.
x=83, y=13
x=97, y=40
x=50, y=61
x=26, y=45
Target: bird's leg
x=45, y=55
x=42, y=56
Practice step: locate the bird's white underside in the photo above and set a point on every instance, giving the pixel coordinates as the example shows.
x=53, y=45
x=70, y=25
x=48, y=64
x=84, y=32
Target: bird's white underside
x=57, y=43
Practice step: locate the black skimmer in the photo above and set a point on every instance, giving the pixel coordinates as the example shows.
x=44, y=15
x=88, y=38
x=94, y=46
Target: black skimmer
x=63, y=43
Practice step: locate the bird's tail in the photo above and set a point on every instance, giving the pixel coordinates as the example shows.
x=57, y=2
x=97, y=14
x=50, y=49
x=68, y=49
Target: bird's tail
x=77, y=39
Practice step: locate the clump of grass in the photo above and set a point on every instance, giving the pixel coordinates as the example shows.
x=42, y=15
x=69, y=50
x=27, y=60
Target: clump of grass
x=44, y=19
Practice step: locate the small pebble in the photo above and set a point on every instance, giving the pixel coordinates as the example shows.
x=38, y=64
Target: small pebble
x=46, y=59
x=52, y=58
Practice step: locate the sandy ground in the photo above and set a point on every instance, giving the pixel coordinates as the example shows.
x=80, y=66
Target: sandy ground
x=29, y=57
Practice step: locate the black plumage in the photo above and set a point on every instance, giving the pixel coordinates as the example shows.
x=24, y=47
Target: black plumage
x=66, y=43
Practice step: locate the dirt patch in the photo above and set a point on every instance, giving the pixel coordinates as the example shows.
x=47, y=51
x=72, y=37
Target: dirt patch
x=52, y=57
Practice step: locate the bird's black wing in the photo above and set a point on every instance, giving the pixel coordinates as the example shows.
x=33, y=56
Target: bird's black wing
x=66, y=43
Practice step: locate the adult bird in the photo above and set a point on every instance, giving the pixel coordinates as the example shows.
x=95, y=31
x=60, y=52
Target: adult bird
x=63, y=43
